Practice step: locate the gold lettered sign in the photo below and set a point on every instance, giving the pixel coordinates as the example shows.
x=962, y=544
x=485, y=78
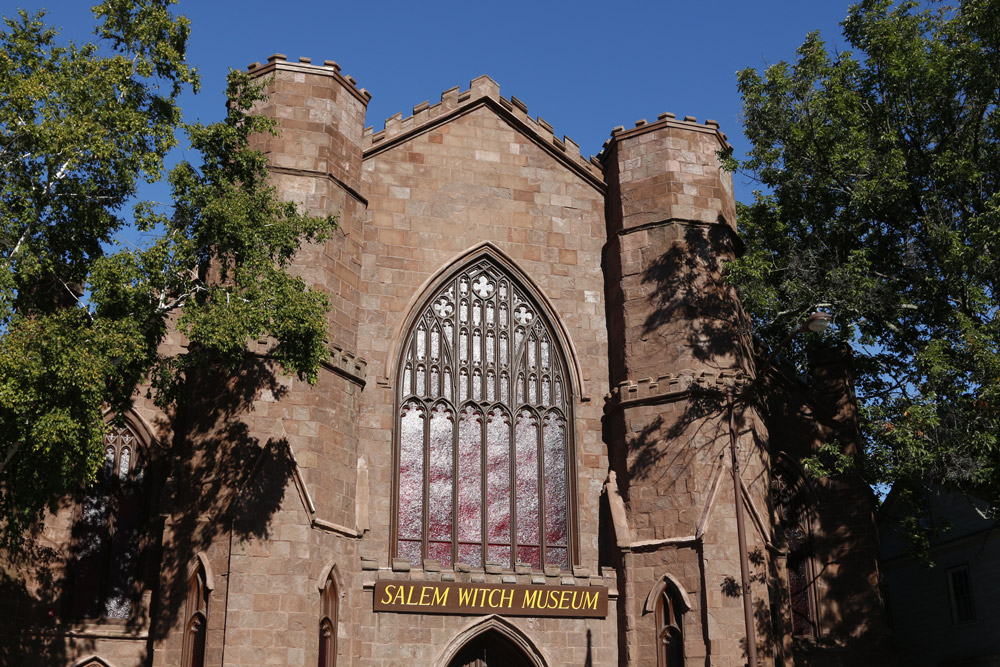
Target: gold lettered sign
x=433, y=597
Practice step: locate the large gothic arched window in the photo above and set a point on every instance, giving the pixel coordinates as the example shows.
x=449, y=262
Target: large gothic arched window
x=483, y=446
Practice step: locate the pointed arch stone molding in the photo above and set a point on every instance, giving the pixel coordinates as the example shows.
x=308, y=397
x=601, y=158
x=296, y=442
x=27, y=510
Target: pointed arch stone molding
x=92, y=660
x=139, y=425
x=200, y=560
x=331, y=570
x=501, y=626
x=484, y=249
x=665, y=580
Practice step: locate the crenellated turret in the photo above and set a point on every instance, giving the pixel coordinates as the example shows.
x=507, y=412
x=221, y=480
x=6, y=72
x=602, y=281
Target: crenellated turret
x=682, y=348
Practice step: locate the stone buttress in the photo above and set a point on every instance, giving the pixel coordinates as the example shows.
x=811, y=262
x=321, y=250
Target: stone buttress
x=679, y=343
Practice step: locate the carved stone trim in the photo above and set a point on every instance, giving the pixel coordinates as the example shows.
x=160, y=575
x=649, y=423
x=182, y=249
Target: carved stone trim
x=662, y=122
x=310, y=507
x=335, y=528
x=664, y=542
x=590, y=172
x=738, y=246
x=706, y=513
x=671, y=387
x=329, y=68
x=348, y=365
x=619, y=515
x=755, y=514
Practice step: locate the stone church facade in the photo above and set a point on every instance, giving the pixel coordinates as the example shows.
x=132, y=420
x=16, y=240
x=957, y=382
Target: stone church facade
x=531, y=355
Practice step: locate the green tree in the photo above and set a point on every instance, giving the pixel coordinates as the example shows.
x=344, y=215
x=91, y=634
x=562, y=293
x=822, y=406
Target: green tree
x=83, y=315
x=880, y=205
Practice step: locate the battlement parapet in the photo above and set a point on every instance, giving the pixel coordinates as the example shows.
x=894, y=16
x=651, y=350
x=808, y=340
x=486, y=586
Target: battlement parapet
x=347, y=363
x=481, y=90
x=673, y=386
x=664, y=120
x=279, y=62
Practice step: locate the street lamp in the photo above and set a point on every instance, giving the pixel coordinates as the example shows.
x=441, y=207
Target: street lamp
x=815, y=323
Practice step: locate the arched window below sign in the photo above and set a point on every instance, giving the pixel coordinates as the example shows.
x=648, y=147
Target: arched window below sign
x=483, y=428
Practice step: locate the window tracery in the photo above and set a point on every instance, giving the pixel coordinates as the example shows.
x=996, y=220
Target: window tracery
x=483, y=444
x=670, y=628
x=108, y=530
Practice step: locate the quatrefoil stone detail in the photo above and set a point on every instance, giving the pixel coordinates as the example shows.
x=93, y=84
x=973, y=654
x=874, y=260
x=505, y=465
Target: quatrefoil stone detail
x=523, y=315
x=443, y=307
x=483, y=287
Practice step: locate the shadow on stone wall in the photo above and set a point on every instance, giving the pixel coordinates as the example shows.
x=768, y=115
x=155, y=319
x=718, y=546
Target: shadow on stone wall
x=688, y=300
x=693, y=329
x=27, y=618
x=225, y=483
x=212, y=481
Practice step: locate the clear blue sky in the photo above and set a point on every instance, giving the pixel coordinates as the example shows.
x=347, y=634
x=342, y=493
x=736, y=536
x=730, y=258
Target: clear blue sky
x=583, y=66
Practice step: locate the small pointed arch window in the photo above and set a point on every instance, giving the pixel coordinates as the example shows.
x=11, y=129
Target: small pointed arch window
x=330, y=606
x=107, y=531
x=483, y=438
x=793, y=535
x=196, y=625
x=670, y=628
x=668, y=603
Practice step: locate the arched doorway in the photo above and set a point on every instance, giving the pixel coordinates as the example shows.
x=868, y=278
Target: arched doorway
x=490, y=649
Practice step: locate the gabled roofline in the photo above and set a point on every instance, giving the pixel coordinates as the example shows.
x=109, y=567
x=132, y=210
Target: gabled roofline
x=483, y=92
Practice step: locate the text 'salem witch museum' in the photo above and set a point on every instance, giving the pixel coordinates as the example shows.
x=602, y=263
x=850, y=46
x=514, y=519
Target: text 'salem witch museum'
x=519, y=451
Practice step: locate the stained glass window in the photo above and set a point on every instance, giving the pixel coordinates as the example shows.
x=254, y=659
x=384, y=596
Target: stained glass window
x=483, y=466
x=107, y=532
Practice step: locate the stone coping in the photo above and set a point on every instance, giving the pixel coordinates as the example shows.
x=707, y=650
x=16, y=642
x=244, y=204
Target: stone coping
x=279, y=61
x=664, y=120
x=482, y=91
x=463, y=573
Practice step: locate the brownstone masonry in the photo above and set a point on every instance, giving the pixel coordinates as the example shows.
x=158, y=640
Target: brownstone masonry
x=517, y=453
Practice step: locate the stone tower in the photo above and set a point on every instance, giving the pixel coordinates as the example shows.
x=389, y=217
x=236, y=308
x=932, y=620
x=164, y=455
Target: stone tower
x=682, y=346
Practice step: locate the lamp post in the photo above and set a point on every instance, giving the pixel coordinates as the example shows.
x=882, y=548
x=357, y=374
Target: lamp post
x=815, y=323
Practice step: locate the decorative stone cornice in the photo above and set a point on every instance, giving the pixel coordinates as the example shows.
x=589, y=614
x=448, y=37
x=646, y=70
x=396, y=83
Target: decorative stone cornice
x=738, y=246
x=663, y=121
x=315, y=173
x=672, y=387
x=347, y=364
x=341, y=361
x=463, y=573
